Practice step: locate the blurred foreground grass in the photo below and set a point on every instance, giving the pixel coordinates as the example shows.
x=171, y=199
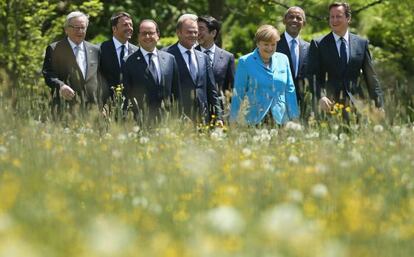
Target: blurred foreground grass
x=170, y=191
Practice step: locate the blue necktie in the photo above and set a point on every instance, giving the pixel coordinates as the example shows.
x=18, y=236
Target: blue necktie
x=121, y=55
x=293, y=56
x=193, y=70
x=152, y=68
x=343, y=56
x=208, y=53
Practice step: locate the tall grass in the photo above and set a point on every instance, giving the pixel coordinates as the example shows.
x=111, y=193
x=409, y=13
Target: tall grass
x=76, y=189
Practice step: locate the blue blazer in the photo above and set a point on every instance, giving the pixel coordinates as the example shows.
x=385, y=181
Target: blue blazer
x=266, y=89
x=146, y=95
x=329, y=82
x=200, y=98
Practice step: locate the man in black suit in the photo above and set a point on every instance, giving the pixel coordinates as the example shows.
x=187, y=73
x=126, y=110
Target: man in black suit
x=336, y=61
x=222, y=62
x=296, y=50
x=198, y=90
x=70, y=67
x=150, y=77
x=114, y=51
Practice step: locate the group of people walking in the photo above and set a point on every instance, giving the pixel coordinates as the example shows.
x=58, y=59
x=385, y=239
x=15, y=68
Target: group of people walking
x=195, y=78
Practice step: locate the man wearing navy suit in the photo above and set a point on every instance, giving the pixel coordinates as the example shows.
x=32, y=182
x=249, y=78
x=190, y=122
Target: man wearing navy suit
x=222, y=62
x=150, y=77
x=296, y=50
x=199, y=92
x=114, y=51
x=70, y=67
x=336, y=61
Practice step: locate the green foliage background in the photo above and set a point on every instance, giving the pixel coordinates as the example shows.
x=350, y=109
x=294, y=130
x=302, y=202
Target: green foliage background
x=27, y=27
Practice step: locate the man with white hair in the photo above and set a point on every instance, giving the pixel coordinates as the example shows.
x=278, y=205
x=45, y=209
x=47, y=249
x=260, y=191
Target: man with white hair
x=198, y=90
x=70, y=67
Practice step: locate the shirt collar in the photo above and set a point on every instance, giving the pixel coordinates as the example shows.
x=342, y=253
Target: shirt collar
x=183, y=50
x=212, y=49
x=145, y=52
x=73, y=44
x=337, y=37
x=119, y=44
x=289, y=38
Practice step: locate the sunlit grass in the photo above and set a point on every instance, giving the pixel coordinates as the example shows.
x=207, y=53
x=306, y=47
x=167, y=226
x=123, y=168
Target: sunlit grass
x=77, y=189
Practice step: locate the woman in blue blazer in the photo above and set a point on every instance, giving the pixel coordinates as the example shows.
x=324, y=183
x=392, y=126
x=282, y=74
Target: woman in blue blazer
x=264, y=77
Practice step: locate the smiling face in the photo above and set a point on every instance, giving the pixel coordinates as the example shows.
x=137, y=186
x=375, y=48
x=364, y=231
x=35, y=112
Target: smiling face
x=205, y=37
x=76, y=29
x=123, y=29
x=267, y=49
x=148, y=36
x=188, y=33
x=338, y=21
x=294, y=21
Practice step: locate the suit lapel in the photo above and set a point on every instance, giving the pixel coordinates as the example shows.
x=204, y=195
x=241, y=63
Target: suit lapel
x=144, y=65
x=353, y=46
x=182, y=65
x=73, y=57
x=163, y=64
x=200, y=65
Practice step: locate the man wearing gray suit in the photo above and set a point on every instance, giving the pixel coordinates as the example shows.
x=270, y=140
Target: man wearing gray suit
x=222, y=62
x=150, y=77
x=70, y=67
x=336, y=61
x=199, y=91
x=296, y=50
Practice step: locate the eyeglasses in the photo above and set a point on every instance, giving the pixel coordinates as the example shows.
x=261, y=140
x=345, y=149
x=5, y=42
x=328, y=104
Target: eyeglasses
x=78, y=28
x=147, y=33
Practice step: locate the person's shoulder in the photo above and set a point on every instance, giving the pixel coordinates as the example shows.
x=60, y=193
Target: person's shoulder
x=91, y=46
x=169, y=48
x=353, y=36
x=224, y=52
x=133, y=47
x=281, y=57
x=165, y=54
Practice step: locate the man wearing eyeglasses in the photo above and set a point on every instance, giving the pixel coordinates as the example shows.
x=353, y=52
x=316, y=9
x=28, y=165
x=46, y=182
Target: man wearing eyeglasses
x=70, y=67
x=114, y=51
x=150, y=77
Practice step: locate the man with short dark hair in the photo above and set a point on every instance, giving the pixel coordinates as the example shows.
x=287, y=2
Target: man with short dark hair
x=114, y=51
x=336, y=61
x=70, y=67
x=296, y=50
x=222, y=62
x=199, y=92
x=151, y=77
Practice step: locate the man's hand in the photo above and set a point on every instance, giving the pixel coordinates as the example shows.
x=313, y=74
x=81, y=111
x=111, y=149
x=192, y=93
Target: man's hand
x=325, y=104
x=66, y=92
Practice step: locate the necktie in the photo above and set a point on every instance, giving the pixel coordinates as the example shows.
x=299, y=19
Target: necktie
x=293, y=56
x=121, y=55
x=80, y=59
x=152, y=68
x=208, y=53
x=193, y=70
x=343, y=56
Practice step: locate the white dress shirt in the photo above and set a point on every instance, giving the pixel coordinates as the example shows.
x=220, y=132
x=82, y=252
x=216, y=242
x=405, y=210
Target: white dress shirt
x=183, y=51
x=154, y=59
x=80, y=57
x=338, y=43
x=289, y=39
x=118, y=48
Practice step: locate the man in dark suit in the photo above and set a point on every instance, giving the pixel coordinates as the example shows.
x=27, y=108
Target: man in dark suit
x=222, y=62
x=296, y=50
x=70, y=67
x=198, y=90
x=336, y=61
x=114, y=51
x=151, y=77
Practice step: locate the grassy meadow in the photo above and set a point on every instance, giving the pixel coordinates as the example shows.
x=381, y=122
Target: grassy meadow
x=73, y=189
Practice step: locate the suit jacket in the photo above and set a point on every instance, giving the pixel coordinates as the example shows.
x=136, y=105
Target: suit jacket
x=199, y=99
x=109, y=66
x=147, y=95
x=60, y=67
x=267, y=89
x=223, y=69
x=299, y=80
x=330, y=82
